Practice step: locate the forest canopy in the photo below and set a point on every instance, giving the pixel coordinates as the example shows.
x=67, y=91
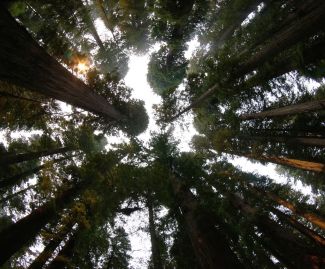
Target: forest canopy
x=253, y=88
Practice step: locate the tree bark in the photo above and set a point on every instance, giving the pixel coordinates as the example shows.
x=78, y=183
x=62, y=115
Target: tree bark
x=47, y=252
x=7, y=159
x=23, y=62
x=287, y=110
x=294, y=253
x=313, y=218
x=17, y=179
x=312, y=235
x=17, y=235
x=63, y=258
x=210, y=246
x=304, y=165
x=155, y=249
x=308, y=25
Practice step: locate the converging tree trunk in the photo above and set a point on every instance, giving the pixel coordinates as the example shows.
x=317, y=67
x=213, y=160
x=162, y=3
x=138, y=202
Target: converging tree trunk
x=294, y=253
x=287, y=110
x=7, y=159
x=155, y=249
x=210, y=246
x=17, y=235
x=23, y=62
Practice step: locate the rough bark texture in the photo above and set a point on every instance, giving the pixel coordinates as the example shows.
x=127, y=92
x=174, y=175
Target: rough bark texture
x=210, y=246
x=17, y=235
x=23, y=62
x=7, y=159
x=287, y=110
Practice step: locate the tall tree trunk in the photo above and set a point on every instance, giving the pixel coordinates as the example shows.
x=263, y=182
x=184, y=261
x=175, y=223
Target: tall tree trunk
x=312, y=235
x=17, y=235
x=287, y=110
x=7, y=159
x=300, y=164
x=210, y=246
x=296, y=254
x=17, y=179
x=23, y=62
x=63, y=259
x=237, y=17
x=155, y=249
x=313, y=218
x=10, y=196
x=47, y=252
x=308, y=25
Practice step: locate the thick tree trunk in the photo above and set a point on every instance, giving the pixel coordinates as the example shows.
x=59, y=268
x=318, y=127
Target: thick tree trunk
x=296, y=254
x=313, y=218
x=308, y=25
x=62, y=260
x=304, y=165
x=238, y=16
x=287, y=110
x=7, y=159
x=155, y=249
x=23, y=62
x=17, y=179
x=17, y=235
x=312, y=235
x=47, y=252
x=210, y=246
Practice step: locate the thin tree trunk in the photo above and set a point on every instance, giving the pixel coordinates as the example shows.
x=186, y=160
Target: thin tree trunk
x=287, y=110
x=7, y=159
x=210, y=246
x=17, y=179
x=308, y=25
x=17, y=235
x=23, y=62
x=313, y=218
x=155, y=249
x=296, y=254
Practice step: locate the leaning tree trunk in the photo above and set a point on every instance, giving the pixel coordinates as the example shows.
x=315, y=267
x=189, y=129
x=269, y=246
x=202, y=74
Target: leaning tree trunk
x=210, y=246
x=49, y=249
x=312, y=235
x=63, y=258
x=307, y=26
x=300, y=164
x=313, y=218
x=287, y=110
x=237, y=17
x=23, y=62
x=7, y=159
x=297, y=255
x=13, y=195
x=155, y=249
x=17, y=179
x=17, y=235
